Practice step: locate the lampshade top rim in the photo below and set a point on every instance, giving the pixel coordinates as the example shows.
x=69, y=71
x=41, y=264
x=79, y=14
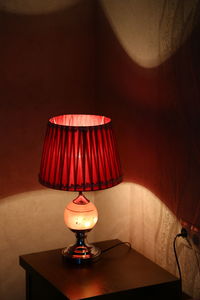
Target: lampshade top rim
x=79, y=120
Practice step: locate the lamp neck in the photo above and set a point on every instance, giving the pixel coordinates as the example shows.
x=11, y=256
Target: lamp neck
x=81, y=199
x=81, y=237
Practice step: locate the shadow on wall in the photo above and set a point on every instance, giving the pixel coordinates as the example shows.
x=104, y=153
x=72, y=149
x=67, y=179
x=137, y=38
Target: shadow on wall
x=47, y=68
x=156, y=114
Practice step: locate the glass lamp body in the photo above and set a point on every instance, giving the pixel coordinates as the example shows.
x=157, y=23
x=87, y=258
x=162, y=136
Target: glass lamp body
x=80, y=216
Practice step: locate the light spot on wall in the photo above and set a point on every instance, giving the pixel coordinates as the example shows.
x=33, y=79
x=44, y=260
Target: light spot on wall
x=35, y=6
x=30, y=222
x=150, y=31
x=131, y=212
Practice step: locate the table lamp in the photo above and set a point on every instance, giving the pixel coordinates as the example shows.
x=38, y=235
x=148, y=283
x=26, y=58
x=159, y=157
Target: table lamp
x=80, y=154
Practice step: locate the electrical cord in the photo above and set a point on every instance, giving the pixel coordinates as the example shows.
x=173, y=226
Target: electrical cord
x=109, y=248
x=118, y=244
x=176, y=257
x=183, y=234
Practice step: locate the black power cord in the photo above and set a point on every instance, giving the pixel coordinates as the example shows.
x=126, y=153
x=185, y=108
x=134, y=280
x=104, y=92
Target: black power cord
x=183, y=234
x=109, y=248
x=116, y=245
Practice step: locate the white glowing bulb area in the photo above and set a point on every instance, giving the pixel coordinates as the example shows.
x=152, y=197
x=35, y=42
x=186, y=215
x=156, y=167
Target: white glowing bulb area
x=80, y=214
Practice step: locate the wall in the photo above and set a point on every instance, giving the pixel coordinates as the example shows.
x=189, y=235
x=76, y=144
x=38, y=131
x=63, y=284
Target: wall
x=149, y=83
x=47, y=68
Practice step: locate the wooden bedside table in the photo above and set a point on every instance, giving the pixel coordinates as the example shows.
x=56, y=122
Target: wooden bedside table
x=120, y=273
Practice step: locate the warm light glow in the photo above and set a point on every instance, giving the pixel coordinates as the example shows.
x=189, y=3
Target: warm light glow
x=79, y=120
x=150, y=31
x=133, y=213
x=36, y=6
x=80, y=214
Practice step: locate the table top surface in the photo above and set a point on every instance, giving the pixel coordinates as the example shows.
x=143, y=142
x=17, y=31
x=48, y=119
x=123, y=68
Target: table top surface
x=119, y=269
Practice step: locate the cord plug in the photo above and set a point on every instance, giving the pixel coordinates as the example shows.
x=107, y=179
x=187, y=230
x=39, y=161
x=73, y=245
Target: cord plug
x=183, y=233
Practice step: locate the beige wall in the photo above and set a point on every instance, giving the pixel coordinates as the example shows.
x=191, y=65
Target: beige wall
x=30, y=222
x=130, y=212
x=148, y=83
x=145, y=29
x=47, y=68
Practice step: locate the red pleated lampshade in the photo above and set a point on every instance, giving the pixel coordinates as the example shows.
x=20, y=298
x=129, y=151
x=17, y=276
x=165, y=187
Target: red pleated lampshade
x=80, y=154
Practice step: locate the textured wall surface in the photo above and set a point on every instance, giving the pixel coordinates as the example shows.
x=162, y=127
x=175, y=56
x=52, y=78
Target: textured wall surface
x=150, y=32
x=159, y=104
x=30, y=222
x=130, y=212
x=149, y=83
x=47, y=68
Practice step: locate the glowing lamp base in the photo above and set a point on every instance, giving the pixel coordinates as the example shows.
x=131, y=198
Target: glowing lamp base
x=81, y=252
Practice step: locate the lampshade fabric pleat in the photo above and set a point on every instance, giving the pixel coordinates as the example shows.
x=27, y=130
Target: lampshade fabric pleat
x=80, y=158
